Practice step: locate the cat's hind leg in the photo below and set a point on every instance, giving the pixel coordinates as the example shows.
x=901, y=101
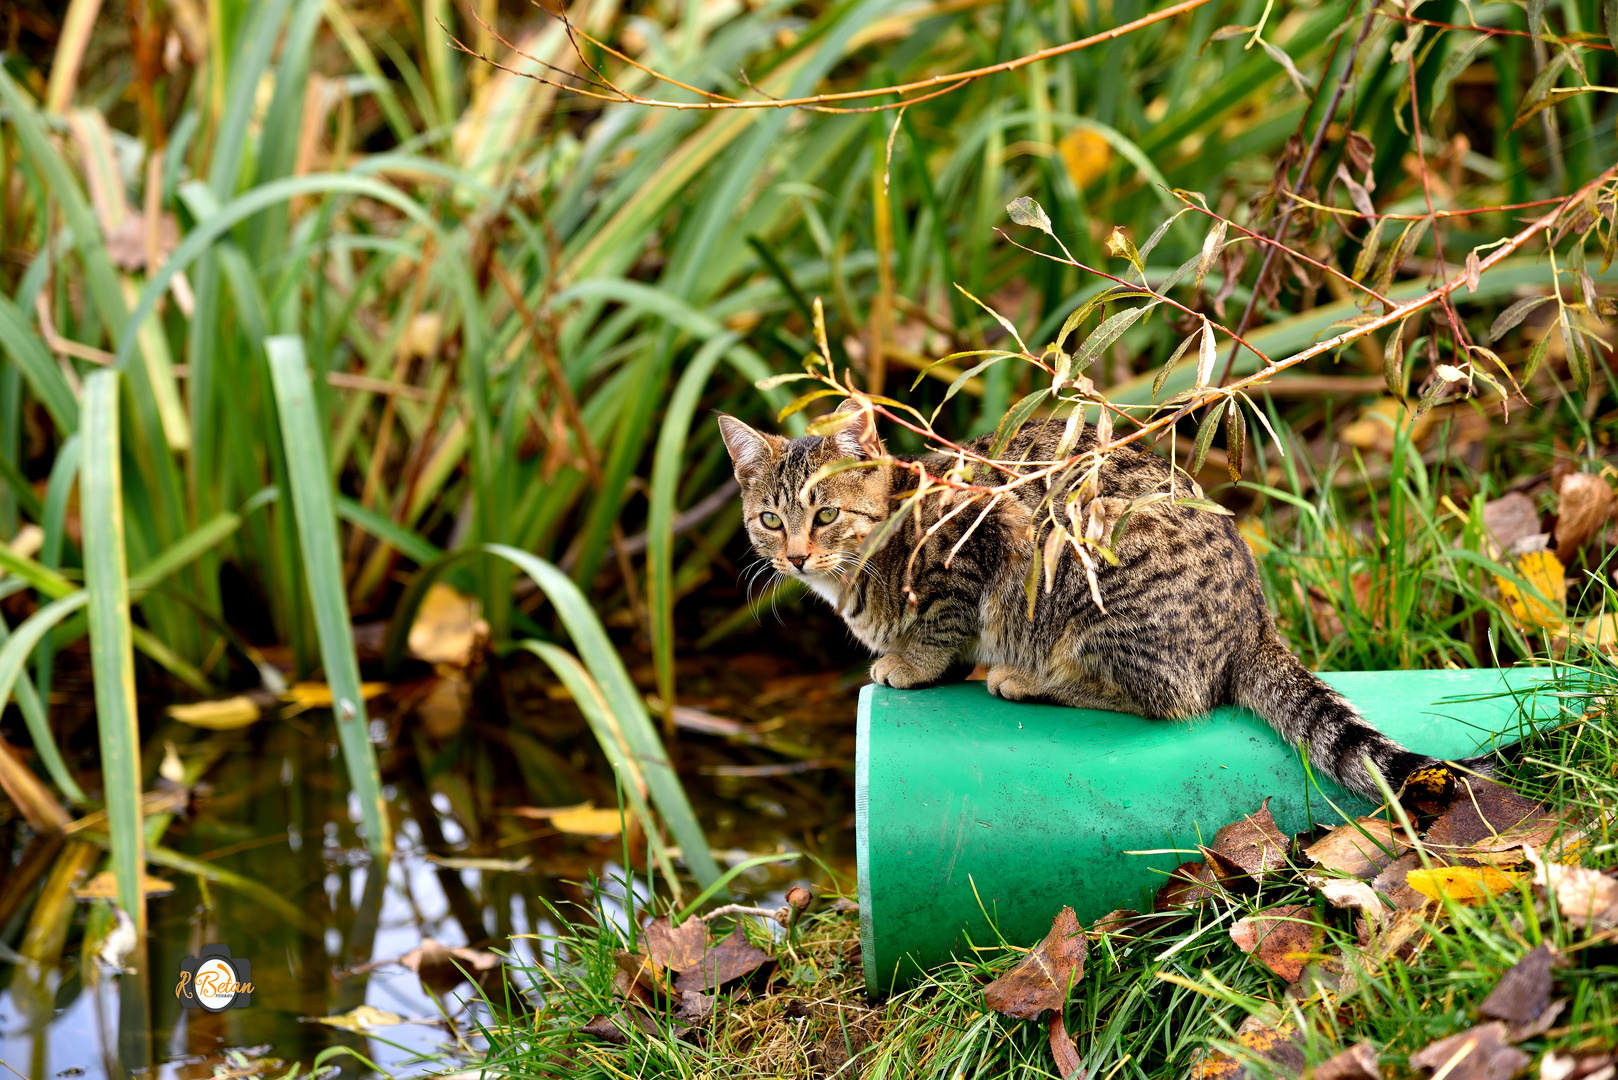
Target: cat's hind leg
x=1014, y=684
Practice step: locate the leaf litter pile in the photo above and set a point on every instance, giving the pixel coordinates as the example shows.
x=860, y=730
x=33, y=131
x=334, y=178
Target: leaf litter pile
x=1457, y=934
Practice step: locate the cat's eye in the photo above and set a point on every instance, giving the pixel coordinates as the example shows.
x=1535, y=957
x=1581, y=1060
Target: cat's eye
x=827, y=516
x=771, y=521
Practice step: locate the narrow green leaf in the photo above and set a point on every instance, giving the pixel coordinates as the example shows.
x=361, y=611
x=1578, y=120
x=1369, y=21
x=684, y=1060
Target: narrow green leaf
x=1110, y=330
x=1235, y=441
x=1205, y=435
x=305, y=445
x=1174, y=358
x=14, y=654
x=44, y=377
x=112, y=651
x=1014, y=420
x=625, y=704
x=1368, y=250
x=1513, y=315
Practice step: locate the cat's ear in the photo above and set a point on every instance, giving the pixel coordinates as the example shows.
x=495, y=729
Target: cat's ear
x=750, y=451
x=857, y=438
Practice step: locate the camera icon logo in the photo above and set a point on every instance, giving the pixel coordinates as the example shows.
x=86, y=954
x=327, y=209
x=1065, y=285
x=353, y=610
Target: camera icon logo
x=215, y=981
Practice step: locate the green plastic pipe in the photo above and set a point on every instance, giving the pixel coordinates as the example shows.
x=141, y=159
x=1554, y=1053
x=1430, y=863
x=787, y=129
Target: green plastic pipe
x=969, y=808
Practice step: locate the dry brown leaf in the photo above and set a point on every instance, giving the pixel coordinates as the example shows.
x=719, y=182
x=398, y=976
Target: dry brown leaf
x=1556, y=1066
x=1069, y=1065
x=1252, y=847
x=1190, y=884
x=1042, y=979
x=731, y=959
x=1278, y=1042
x=1524, y=992
x=1586, y=898
x=1582, y=509
x=1360, y=849
x=1391, y=882
x=1509, y=519
x=440, y=967
x=1468, y=885
x=1482, y=811
x=679, y=948
x=227, y=714
x=1358, y=1062
x=1352, y=893
x=1479, y=1053
x=1283, y=937
x=447, y=627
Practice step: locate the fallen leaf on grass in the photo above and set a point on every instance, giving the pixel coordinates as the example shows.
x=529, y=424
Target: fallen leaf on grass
x=1586, y=898
x=680, y=948
x=644, y=973
x=1252, y=847
x=731, y=959
x=612, y=1028
x=1277, y=1043
x=1392, y=882
x=1348, y=893
x=694, y=1007
x=1482, y=811
x=360, y=1019
x=1509, y=519
x=1358, y=1062
x=1524, y=992
x=1469, y=885
x=104, y=886
x=1069, y=1065
x=1360, y=849
x=1189, y=885
x=1555, y=1066
x=1479, y=1053
x=1584, y=505
x=1042, y=979
x=227, y=714
x=1283, y=937
x=1544, y=605
x=441, y=968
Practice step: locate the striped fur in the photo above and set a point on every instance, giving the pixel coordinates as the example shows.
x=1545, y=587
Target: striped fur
x=1185, y=626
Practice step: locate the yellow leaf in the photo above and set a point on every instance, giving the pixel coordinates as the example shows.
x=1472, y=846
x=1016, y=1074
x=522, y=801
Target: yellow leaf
x=1542, y=571
x=360, y=1018
x=104, y=886
x=1256, y=536
x=589, y=822
x=447, y=627
x=1462, y=884
x=227, y=714
x=1602, y=633
x=1085, y=154
x=317, y=695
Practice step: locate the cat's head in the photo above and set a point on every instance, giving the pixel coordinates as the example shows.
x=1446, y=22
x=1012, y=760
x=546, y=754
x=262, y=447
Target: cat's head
x=804, y=533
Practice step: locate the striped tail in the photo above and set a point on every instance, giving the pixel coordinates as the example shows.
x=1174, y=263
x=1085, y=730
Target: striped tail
x=1307, y=712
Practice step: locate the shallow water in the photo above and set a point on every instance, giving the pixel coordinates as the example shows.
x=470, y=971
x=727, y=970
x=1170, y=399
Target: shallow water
x=321, y=927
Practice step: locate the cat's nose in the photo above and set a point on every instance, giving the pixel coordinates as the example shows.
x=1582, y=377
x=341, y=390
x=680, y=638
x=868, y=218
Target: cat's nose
x=797, y=560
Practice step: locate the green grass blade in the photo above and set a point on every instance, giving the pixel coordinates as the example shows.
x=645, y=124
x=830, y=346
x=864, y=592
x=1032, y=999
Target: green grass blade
x=112, y=651
x=322, y=561
x=586, y=693
x=667, y=466
x=45, y=379
x=408, y=543
x=13, y=655
x=598, y=654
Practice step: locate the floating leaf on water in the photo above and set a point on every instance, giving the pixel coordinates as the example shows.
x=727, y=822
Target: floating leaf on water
x=1283, y=937
x=441, y=968
x=1479, y=1053
x=360, y=1019
x=457, y=862
x=317, y=695
x=104, y=886
x=1043, y=978
x=590, y=822
x=226, y=714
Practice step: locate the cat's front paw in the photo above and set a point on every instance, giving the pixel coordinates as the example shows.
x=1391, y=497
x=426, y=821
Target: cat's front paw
x=1011, y=684
x=895, y=671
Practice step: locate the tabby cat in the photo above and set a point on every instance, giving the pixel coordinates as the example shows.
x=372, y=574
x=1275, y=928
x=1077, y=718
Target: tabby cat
x=1176, y=627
